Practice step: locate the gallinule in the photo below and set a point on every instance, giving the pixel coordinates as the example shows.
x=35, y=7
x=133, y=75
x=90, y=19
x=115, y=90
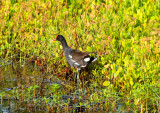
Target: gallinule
x=75, y=58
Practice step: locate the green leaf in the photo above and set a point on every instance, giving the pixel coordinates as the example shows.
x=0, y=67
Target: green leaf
x=89, y=48
x=131, y=81
x=118, y=71
x=106, y=83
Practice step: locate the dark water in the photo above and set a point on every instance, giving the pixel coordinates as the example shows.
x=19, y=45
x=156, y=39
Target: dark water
x=16, y=78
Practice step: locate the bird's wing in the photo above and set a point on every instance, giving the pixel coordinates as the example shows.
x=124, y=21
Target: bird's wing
x=78, y=56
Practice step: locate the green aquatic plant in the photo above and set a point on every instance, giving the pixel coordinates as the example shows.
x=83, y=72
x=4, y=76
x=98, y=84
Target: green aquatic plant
x=123, y=34
x=2, y=94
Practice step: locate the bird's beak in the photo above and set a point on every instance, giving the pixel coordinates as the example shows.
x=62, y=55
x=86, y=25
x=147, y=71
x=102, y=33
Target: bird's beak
x=55, y=38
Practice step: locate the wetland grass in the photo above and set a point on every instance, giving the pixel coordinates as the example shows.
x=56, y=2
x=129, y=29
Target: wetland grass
x=125, y=35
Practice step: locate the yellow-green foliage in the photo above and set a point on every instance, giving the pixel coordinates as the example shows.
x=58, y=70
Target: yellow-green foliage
x=28, y=24
x=125, y=34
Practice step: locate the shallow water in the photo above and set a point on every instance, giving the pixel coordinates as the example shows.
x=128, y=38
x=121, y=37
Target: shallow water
x=53, y=93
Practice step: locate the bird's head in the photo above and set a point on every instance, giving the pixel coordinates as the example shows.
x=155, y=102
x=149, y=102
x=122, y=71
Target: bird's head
x=59, y=38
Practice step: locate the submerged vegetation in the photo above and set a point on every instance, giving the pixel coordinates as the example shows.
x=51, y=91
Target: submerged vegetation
x=123, y=34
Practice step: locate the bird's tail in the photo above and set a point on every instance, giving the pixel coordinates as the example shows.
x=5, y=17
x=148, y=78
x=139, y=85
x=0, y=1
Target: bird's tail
x=93, y=59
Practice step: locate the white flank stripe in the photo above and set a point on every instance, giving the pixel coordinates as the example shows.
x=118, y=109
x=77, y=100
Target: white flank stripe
x=83, y=66
x=73, y=61
x=76, y=63
x=70, y=56
x=87, y=59
x=94, y=59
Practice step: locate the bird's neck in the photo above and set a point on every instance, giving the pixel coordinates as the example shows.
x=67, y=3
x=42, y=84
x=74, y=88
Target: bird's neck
x=64, y=44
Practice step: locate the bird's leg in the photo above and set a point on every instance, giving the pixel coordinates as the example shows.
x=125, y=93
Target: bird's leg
x=75, y=77
x=78, y=79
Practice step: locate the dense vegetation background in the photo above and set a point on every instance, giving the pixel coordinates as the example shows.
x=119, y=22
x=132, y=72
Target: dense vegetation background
x=124, y=34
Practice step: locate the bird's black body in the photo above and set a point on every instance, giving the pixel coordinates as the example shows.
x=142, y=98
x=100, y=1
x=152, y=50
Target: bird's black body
x=75, y=58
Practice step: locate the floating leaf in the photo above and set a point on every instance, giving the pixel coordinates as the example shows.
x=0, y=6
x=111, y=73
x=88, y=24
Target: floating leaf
x=106, y=83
